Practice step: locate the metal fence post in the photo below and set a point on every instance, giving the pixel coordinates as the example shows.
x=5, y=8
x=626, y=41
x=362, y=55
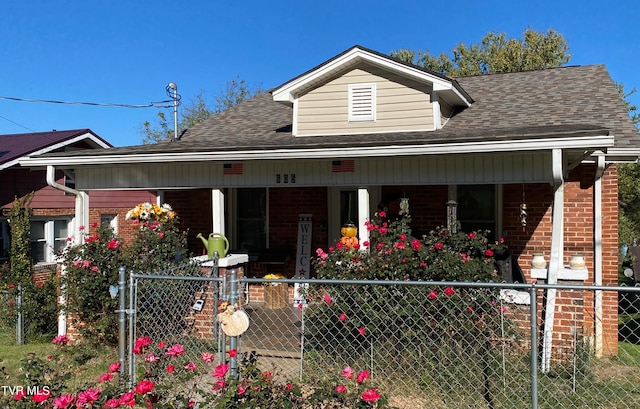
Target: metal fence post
x=122, y=320
x=19, y=323
x=233, y=299
x=533, y=324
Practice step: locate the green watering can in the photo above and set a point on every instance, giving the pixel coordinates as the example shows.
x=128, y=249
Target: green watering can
x=217, y=242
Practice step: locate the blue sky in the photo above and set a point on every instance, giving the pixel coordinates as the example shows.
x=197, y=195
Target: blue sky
x=126, y=52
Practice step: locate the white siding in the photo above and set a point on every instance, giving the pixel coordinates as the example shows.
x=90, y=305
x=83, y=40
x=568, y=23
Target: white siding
x=421, y=170
x=401, y=105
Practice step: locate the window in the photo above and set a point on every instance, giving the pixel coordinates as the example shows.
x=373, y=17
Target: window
x=110, y=220
x=362, y=102
x=477, y=208
x=4, y=239
x=251, y=220
x=47, y=237
x=349, y=206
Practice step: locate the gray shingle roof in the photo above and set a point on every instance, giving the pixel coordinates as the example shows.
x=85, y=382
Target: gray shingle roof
x=545, y=103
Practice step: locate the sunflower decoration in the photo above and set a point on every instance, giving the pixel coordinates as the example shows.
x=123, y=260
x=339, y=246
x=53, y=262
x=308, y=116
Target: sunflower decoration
x=145, y=212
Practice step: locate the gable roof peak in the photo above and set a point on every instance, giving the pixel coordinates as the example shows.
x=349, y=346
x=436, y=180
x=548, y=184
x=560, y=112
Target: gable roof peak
x=290, y=90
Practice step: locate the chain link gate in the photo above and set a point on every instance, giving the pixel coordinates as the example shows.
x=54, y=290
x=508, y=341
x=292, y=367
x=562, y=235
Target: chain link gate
x=175, y=306
x=425, y=344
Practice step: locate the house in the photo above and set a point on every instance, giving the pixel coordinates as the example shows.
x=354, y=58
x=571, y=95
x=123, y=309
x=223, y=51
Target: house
x=56, y=203
x=530, y=155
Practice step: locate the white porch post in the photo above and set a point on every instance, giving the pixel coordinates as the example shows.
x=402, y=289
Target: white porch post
x=597, y=253
x=217, y=208
x=363, y=214
x=557, y=246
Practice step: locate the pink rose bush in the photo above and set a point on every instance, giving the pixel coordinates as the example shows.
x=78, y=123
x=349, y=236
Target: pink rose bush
x=173, y=381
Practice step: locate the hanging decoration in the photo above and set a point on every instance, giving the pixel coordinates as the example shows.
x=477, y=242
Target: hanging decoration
x=523, y=211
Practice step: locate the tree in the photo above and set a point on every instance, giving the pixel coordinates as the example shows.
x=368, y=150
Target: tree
x=198, y=109
x=628, y=186
x=495, y=54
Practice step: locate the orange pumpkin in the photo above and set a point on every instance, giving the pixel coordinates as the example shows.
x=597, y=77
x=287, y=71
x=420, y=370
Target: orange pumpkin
x=349, y=232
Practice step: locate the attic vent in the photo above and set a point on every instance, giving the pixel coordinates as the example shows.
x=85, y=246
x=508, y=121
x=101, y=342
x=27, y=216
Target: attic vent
x=362, y=102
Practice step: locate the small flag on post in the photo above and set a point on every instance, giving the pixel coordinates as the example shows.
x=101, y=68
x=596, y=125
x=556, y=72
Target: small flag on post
x=233, y=169
x=343, y=166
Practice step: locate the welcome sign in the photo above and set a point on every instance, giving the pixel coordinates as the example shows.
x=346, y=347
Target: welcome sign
x=303, y=259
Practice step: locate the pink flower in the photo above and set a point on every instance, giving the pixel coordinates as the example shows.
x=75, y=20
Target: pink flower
x=113, y=244
x=111, y=403
x=60, y=340
x=370, y=395
x=470, y=308
x=438, y=246
x=128, y=399
x=415, y=244
x=233, y=353
x=465, y=258
x=488, y=253
x=365, y=243
x=218, y=385
x=41, y=396
x=175, y=350
x=81, y=228
x=208, y=357
x=362, y=376
x=105, y=377
x=241, y=389
x=382, y=230
x=161, y=234
x=342, y=317
x=171, y=368
x=114, y=367
x=144, y=386
x=327, y=299
x=63, y=401
x=288, y=386
x=347, y=372
x=382, y=214
x=151, y=358
x=341, y=389
x=449, y=291
x=266, y=376
x=161, y=345
x=86, y=398
x=432, y=295
x=503, y=308
x=221, y=370
x=472, y=235
x=362, y=331
x=190, y=366
x=141, y=343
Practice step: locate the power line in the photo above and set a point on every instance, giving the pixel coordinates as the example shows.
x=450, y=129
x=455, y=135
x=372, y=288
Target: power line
x=15, y=123
x=158, y=104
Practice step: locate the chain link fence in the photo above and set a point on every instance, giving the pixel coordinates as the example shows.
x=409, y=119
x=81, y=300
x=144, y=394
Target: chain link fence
x=436, y=345
x=28, y=315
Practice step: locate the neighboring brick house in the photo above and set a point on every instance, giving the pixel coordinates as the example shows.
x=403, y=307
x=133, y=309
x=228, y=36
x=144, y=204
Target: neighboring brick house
x=55, y=214
x=363, y=130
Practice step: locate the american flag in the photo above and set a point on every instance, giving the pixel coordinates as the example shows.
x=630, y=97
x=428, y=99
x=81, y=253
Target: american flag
x=343, y=166
x=233, y=168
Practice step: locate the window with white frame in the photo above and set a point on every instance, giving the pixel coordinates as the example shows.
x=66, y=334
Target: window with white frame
x=110, y=220
x=48, y=237
x=362, y=102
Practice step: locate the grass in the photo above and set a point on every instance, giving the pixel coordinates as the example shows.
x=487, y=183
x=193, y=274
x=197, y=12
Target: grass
x=83, y=363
